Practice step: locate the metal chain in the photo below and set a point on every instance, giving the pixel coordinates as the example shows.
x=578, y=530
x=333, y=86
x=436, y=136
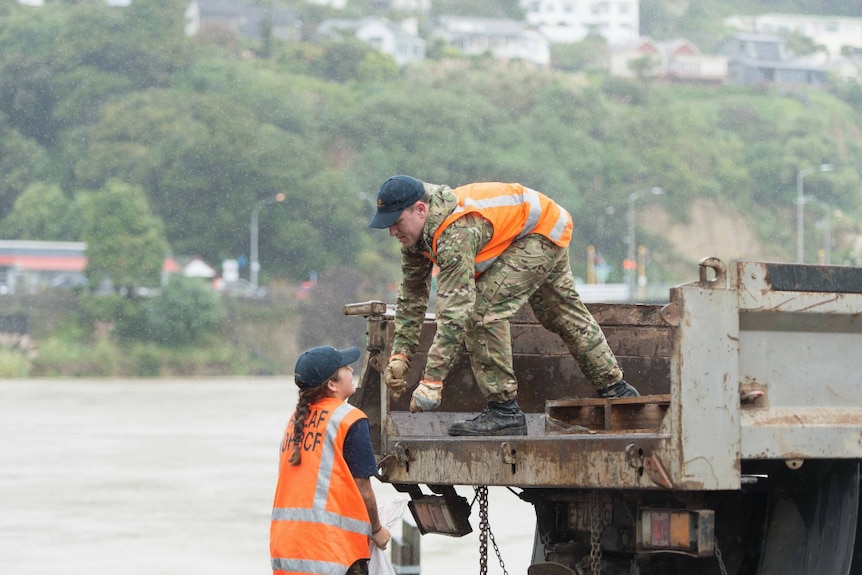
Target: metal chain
x=485, y=533
x=719, y=557
x=482, y=495
x=596, y=528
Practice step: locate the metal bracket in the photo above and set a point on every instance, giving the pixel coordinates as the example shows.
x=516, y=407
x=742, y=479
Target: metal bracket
x=402, y=454
x=671, y=314
x=377, y=362
x=719, y=270
x=634, y=456
x=656, y=472
x=509, y=454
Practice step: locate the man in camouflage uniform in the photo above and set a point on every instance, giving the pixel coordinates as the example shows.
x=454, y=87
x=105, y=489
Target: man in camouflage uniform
x=476, y=295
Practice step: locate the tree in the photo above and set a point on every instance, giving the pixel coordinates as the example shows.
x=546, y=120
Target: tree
x=187, y=310
x=577, y=56
x=21, y=159
x=125, y=241
x=41, y=212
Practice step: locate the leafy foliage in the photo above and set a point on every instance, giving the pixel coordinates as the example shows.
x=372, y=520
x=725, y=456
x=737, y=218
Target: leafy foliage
x=186, y=311
x=125, y=242
x=193, y=135
x=41, y=211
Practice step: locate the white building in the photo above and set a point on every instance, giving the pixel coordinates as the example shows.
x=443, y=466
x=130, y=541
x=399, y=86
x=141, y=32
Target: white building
x=337, y=4
x=502, y=38
x=677, y=60
x=419, y=6
x=831, y=32
x=617, y=21
x=401, y=40
x=111, y=3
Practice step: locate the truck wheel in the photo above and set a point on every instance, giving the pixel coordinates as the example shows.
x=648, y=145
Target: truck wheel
x=856, y=566
x=811, y=520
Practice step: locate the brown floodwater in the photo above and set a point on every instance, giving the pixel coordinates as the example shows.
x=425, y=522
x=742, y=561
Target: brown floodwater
x=170, y=477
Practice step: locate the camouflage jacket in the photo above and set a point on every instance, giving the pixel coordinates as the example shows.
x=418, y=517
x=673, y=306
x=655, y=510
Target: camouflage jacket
x=457, y=248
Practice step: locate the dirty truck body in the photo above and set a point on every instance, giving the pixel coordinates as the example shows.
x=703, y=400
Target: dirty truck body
x=741, y=457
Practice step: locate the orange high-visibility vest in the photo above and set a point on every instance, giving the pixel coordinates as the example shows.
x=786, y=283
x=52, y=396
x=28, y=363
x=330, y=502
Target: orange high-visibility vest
x=514, y=210
x=320, y=524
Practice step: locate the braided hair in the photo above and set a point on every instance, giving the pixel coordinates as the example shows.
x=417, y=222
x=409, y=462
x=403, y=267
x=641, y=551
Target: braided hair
x=306, y=398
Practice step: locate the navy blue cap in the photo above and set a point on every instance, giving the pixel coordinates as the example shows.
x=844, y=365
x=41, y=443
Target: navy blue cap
x=319, y=364
x=395, y=195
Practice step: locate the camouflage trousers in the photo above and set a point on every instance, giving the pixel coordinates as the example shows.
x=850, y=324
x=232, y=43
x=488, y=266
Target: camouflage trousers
x=535, y=270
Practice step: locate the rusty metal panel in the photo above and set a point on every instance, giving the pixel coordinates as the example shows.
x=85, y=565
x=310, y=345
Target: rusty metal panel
x=704, y=420
x=801, y=351
x=802, y=433
x=644, y=341
x=609, y=314
x=798, y=277
x=756, y=293
x=643, y=414
x=420, y=452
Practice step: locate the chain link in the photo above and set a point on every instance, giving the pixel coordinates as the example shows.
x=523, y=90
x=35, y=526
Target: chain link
x=485, y=533
x=482, y=495
x=596, y=528
x=719, y=557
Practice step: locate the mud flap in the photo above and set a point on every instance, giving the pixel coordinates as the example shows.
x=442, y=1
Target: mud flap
x=812, y=518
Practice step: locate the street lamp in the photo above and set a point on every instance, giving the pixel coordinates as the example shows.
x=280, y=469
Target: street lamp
x=827, y=224
x=800, y=202
x=630, y=267
x=255, y=214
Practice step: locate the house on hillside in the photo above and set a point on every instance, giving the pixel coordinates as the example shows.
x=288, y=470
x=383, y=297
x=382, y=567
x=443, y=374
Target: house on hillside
x=401, y=41
x=111, y=3
x=411, y=6
x=567, y=21
x=243, y=18
x=502, y=38
x=190, y=267
x=756, y=59
x=833, y=33
x=677, y=60
x=336, y=4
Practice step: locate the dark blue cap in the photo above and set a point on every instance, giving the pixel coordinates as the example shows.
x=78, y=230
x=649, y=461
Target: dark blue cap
x=318, y=364
x=395, y=195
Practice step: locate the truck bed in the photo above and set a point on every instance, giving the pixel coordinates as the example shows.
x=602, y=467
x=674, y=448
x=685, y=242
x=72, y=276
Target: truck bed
x=721, y=368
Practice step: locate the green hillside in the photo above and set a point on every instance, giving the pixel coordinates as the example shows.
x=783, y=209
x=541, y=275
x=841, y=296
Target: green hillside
x=98, y=104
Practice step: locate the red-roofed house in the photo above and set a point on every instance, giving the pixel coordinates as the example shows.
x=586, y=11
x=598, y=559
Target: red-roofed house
x=677, y=60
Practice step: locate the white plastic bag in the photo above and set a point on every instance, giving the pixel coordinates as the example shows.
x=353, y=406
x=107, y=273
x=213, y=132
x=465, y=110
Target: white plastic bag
x=379, y=563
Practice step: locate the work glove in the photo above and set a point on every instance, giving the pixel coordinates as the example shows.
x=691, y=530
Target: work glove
x=427, y=396
x=395, y=374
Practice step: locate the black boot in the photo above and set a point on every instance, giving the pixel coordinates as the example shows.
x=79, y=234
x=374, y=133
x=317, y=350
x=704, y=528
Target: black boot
x=619, y=389
x=504, y=418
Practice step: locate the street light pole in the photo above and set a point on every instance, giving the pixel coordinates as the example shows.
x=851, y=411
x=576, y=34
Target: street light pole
x=800, y=203
x=630, y=270
x=827, y=223
x=254, y=265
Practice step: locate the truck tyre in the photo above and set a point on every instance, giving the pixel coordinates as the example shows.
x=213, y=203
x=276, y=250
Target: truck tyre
x=811, y=520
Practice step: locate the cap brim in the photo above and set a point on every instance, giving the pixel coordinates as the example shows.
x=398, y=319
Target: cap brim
x=349, y=355
x=384, y=220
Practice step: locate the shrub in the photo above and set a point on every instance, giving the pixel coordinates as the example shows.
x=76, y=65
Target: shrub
x=184, y=312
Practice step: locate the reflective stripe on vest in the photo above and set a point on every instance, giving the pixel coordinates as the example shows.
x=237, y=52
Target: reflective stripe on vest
x=351, y=533
x=514, y=211
x=309, y=567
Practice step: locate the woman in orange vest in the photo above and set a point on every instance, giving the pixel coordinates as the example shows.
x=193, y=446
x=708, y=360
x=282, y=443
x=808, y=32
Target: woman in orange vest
x=325, y=510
